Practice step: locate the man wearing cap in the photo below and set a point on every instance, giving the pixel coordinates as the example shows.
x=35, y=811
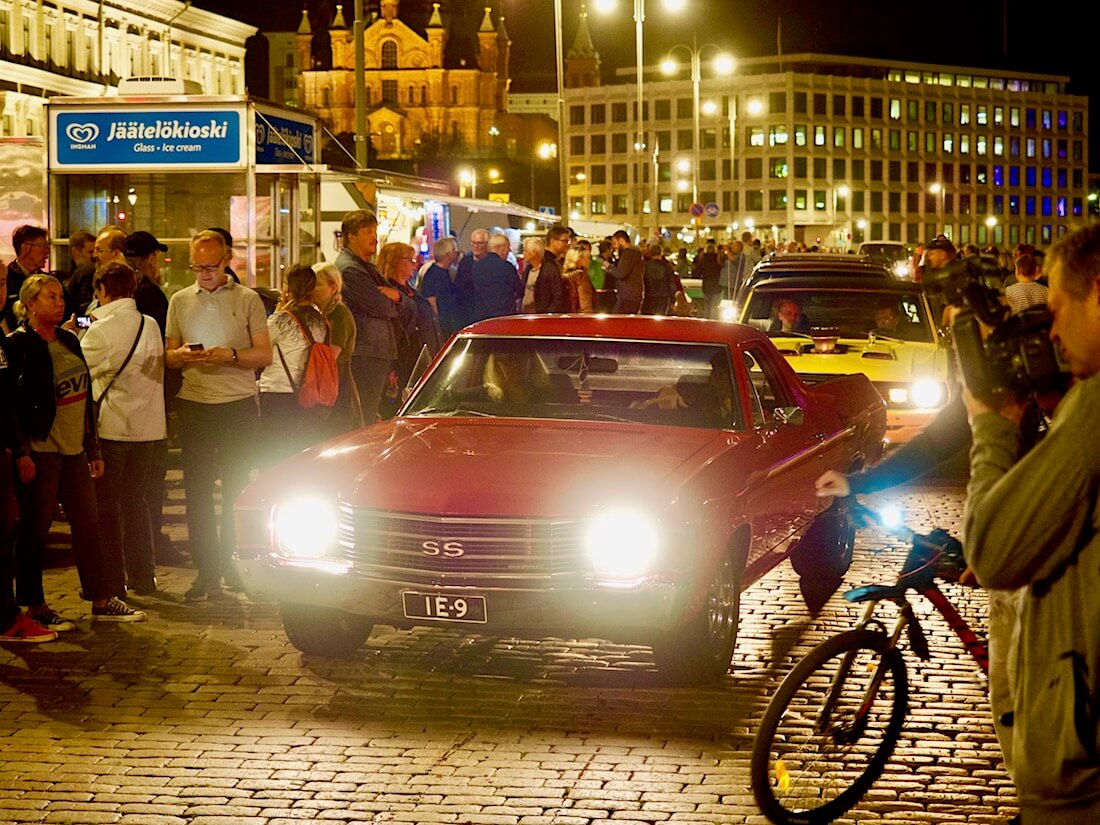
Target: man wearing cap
x=141, y=253
x=938, y=253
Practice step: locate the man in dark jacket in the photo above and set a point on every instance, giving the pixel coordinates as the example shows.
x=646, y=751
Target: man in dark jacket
x=374, y=306
x=706, y=269
x=627, y=274
x=549, y=287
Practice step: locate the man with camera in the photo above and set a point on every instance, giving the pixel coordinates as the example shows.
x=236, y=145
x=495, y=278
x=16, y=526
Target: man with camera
x=1033, y=523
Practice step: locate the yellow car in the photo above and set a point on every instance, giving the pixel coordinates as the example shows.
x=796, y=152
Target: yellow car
x=827, y=326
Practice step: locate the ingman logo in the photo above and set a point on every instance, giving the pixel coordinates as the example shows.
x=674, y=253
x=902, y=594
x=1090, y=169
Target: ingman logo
x=82, y=132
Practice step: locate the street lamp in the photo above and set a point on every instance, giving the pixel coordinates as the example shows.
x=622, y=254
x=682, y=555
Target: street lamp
x=467, y=176
x=544, y=151
x=606, y=6
x=581, y=177
x=840, y=193
x=723, y=64
x=938, y=189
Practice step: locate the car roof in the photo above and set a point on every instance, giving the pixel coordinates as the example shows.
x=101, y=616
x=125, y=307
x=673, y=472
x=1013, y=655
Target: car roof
x=827, y=282
x=797, y=257
x=628, y=327
x=845, y=266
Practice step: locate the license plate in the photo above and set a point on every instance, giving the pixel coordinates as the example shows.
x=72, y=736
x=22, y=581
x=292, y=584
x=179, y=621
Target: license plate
x=444, y=607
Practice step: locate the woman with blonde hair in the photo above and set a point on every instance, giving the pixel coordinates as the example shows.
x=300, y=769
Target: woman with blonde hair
x=60, y=457
x=580, y=295
x=347, y=414
x=417, y=323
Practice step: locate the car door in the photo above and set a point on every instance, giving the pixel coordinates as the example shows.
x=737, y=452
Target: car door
x=779, y=498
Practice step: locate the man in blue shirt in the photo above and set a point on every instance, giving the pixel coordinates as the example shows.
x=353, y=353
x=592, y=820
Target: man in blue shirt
x=497, y=287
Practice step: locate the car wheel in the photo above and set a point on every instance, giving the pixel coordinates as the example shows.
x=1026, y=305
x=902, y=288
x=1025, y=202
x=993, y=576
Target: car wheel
x=324, y=631
x=702, y=649
x=825, y=551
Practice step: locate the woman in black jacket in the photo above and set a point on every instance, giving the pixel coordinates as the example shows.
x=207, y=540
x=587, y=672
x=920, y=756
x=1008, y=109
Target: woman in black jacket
x=56, y=416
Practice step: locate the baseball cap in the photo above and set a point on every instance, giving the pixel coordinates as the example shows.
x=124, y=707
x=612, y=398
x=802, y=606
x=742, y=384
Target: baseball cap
x=940, y=243
x=139, y=244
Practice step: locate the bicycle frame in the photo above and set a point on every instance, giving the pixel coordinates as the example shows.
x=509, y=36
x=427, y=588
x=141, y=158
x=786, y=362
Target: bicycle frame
x=927, y=587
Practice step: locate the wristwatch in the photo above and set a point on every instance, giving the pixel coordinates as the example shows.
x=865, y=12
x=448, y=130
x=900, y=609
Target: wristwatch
x=236, y=360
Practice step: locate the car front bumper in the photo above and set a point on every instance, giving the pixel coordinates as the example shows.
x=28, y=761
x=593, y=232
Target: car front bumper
x=574, y=608
x=902, y=425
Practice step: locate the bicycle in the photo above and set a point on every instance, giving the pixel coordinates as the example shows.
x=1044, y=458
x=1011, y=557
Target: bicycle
x=835, y=720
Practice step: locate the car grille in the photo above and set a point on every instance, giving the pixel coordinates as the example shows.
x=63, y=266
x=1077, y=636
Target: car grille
x=505, y=552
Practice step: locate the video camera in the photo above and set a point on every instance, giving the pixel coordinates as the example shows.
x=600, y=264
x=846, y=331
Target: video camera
x=1016, y=359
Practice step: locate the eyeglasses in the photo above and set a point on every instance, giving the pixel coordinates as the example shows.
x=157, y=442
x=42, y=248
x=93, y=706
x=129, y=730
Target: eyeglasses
x=40, y=245
x=209, y=269
x=413, y=260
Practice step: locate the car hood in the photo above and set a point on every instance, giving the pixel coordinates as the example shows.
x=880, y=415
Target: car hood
x=494, y=467
x=881, y=361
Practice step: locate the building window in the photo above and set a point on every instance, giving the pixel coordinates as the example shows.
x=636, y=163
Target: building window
x=598, y=113
x=819, y=104
x=576, y=145
x=819, y=136
x=1014, y=117
x=982, y=115
x=839, y=106
x=598, y=144
x=389, y=55
x=799, y=198
x=821, y=167
x=618, y=143
x=800, y=103
x=800, y=167
x=876, y=139
x=777, y=199
x=618, y=173
x=912, y=110
x=895, y=140
x=454, y=95
x=895, y=108
x=618, y=112
x=685, y=139
x=819, y=200
x=618, y=204
x=778, y=168
x=857, y=137
x=857, y=106
x=389, y=91
x=981, y=145
x=840, y=169
x=948, y=143
x=777, y=135
x=838, y=136
x=800, y=134
x=777, y=103
x=930, y=142
x=576, y=115
x=755, y=136
x=964, y=114
x=683, y=107
x=754, y=168
x=662, y=110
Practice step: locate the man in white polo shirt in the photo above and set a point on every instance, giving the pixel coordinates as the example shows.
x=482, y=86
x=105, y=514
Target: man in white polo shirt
x=217, y=334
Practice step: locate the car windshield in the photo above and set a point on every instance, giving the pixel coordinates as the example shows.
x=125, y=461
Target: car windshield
x=846, y=313
x=650, y=382
x=884, y=252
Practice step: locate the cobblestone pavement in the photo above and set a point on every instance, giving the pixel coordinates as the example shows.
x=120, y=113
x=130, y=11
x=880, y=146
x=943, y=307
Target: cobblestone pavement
x=205, y=714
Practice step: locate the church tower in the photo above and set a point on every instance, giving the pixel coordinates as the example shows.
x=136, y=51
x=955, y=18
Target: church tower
x=582, y=64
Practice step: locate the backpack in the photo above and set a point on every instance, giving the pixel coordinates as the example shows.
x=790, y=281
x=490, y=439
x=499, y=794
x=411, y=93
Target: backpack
x=321, y=380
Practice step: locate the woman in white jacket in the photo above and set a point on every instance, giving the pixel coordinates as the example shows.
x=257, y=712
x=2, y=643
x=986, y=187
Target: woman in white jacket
x=125, y=354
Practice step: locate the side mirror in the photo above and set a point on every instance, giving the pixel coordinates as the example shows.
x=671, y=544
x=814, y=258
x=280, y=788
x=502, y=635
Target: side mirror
x=788, y=416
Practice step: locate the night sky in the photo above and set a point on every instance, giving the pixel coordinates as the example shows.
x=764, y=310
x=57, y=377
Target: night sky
x=971, y=33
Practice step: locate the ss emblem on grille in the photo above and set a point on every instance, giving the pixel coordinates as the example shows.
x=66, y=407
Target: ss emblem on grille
x=450, y=549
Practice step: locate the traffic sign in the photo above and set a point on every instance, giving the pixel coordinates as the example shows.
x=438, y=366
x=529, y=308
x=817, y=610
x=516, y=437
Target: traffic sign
x=696, y=210
x=547, y=210
x=711, y=210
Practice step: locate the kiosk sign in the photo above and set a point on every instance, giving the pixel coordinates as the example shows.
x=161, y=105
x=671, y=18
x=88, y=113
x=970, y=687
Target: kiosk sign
x=129, y=137
x=283, y=141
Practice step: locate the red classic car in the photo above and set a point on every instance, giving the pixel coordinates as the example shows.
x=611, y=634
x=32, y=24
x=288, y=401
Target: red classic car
x=586, y=476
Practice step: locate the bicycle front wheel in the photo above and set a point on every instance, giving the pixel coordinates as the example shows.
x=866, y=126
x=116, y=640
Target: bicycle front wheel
x=819, y=747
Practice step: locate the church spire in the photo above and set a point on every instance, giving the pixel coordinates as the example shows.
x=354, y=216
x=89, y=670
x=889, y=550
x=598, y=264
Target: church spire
x=582, y=44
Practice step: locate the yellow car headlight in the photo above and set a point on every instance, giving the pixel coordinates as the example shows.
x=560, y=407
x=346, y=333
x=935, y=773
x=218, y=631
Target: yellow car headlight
x=928, y=393
x=622, y=543
x=306, y=527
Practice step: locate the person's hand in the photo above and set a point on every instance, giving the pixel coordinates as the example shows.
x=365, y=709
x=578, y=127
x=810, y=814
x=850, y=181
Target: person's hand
x=1012, y=410
x=95, y=467
x=190, y=356
x=391, y=293
x=832, y=483
x=25, y=466
x=218, y=355
x=70, y=324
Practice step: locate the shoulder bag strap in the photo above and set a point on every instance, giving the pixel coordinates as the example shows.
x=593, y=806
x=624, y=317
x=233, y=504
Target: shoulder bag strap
x=129, y=355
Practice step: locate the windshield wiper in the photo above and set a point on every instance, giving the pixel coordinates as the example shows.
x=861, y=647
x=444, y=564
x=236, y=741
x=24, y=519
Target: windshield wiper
x=583, y=414
x=454, y=411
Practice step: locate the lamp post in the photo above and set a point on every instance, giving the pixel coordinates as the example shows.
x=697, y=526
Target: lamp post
x=938, y=189
x=544, y=151
x=841, y=192
x=723, y=65
x=637, y=184
x=563, y=188
x=467, y=176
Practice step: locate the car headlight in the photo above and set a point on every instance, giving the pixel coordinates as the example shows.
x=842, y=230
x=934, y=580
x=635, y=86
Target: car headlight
x=622, y=543
x=727, y=311
x=901, y=269
x=306, y=527
x=927, y=393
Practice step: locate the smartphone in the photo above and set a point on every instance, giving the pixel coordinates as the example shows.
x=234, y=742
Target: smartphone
x=194, y=347
x=83, y=321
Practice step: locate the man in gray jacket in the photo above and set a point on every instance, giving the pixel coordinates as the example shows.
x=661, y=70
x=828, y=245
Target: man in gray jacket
x=373, y=304
x=1034, y=524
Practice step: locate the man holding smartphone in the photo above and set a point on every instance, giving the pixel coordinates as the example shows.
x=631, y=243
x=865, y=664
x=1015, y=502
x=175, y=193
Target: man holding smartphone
x=217, y=334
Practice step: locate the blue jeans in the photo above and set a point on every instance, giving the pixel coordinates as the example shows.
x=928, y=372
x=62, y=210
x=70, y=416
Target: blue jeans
x=214, y=441
x=63, y=478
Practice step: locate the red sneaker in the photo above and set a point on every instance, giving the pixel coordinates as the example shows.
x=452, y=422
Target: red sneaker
x=25, y=630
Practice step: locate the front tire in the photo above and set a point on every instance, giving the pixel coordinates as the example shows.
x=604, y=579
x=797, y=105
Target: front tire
x=701, y=650
x=324, y=631
x=809, y=766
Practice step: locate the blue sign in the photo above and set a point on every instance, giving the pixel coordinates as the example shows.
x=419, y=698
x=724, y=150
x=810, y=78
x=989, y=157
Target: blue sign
x=129, y=137
x=283, y=141
x=711, y=210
